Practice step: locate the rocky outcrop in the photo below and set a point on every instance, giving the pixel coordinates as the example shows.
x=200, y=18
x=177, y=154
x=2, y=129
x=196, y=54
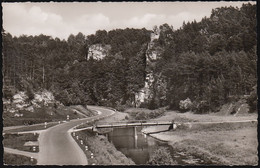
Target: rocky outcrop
x=152, y=55
x=20, y=102
x=98, y=51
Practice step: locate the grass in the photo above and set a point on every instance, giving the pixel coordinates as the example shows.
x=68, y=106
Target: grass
x=215, y=143
x=191, y=127
x=84, y=110
x=104, y=152
x=44, y=114
x=85, y=125
x=17, y=141
x=161, y=156
x=12, y=159
x=31, y=128
x=145, y=114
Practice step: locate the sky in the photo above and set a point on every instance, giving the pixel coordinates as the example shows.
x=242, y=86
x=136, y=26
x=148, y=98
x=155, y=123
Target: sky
x=62, y=19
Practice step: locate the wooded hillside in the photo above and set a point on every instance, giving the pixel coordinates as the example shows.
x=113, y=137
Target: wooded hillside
x=211, y=62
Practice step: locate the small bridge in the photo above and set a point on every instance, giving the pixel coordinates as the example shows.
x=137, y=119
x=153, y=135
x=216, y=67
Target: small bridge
x=133, y=123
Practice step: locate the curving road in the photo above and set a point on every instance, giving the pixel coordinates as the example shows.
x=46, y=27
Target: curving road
x=57, y=147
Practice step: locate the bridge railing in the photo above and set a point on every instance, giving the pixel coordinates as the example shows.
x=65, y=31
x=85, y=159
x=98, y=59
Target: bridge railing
x=133, y=123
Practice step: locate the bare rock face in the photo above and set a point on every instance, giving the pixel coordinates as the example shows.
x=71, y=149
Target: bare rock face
x=98, y=51
x=152, y=55
x=20, y=102
x=152, y=51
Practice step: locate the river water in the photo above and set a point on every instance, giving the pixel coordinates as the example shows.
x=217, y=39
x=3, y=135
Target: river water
x=139, y=147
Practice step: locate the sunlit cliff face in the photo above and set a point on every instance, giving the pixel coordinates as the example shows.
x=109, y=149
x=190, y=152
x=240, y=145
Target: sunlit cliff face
x=98, y=51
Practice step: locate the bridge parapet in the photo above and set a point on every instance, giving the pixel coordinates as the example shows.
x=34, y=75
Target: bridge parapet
x=133, y=123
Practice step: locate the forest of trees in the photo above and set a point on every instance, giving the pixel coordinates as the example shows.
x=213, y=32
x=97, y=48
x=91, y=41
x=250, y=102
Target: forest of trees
x=211, y=62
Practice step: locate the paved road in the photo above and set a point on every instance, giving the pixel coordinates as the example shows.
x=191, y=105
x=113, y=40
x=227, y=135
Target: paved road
x=57, y=147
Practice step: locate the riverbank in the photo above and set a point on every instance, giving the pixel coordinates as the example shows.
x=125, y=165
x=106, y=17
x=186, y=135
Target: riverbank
x=228, y=143
x=98, y=146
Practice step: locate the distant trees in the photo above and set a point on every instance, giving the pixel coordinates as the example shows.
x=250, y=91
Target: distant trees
x=210, y=61
x=115, y=79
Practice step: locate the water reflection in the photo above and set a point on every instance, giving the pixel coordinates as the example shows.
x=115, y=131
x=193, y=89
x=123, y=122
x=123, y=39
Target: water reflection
x=132, y=143
x=139, y=147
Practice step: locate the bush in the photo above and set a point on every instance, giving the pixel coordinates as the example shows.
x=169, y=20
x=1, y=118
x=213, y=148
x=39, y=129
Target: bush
x=120, y=107
x=156, y=113
x=185, y=105
x=141, y=116
x=143, y=105
x=202, y=107
x=145, y=115
x=152, y=105
x=161, y=156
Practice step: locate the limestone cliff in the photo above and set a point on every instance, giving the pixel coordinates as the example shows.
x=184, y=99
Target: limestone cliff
x=98, y=51
x=153, y=83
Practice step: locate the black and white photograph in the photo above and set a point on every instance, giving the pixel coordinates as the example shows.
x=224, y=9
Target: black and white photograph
x=129, y=83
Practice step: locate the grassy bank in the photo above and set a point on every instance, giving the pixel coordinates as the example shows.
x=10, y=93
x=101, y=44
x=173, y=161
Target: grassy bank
x=31, y=128
x=228, y=143
x=144, y=114
x=12, y=159
x=236, y=147
x=104, y=152
x=17, y=141
x=46, y=114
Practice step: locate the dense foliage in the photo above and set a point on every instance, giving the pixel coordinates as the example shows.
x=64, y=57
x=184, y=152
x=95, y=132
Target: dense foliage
x=147, y=114
x=208, y=62
x=62, y=66
x=161, y=156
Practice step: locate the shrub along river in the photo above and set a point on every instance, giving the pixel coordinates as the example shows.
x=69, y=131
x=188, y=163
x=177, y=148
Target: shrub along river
x=140, y=147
